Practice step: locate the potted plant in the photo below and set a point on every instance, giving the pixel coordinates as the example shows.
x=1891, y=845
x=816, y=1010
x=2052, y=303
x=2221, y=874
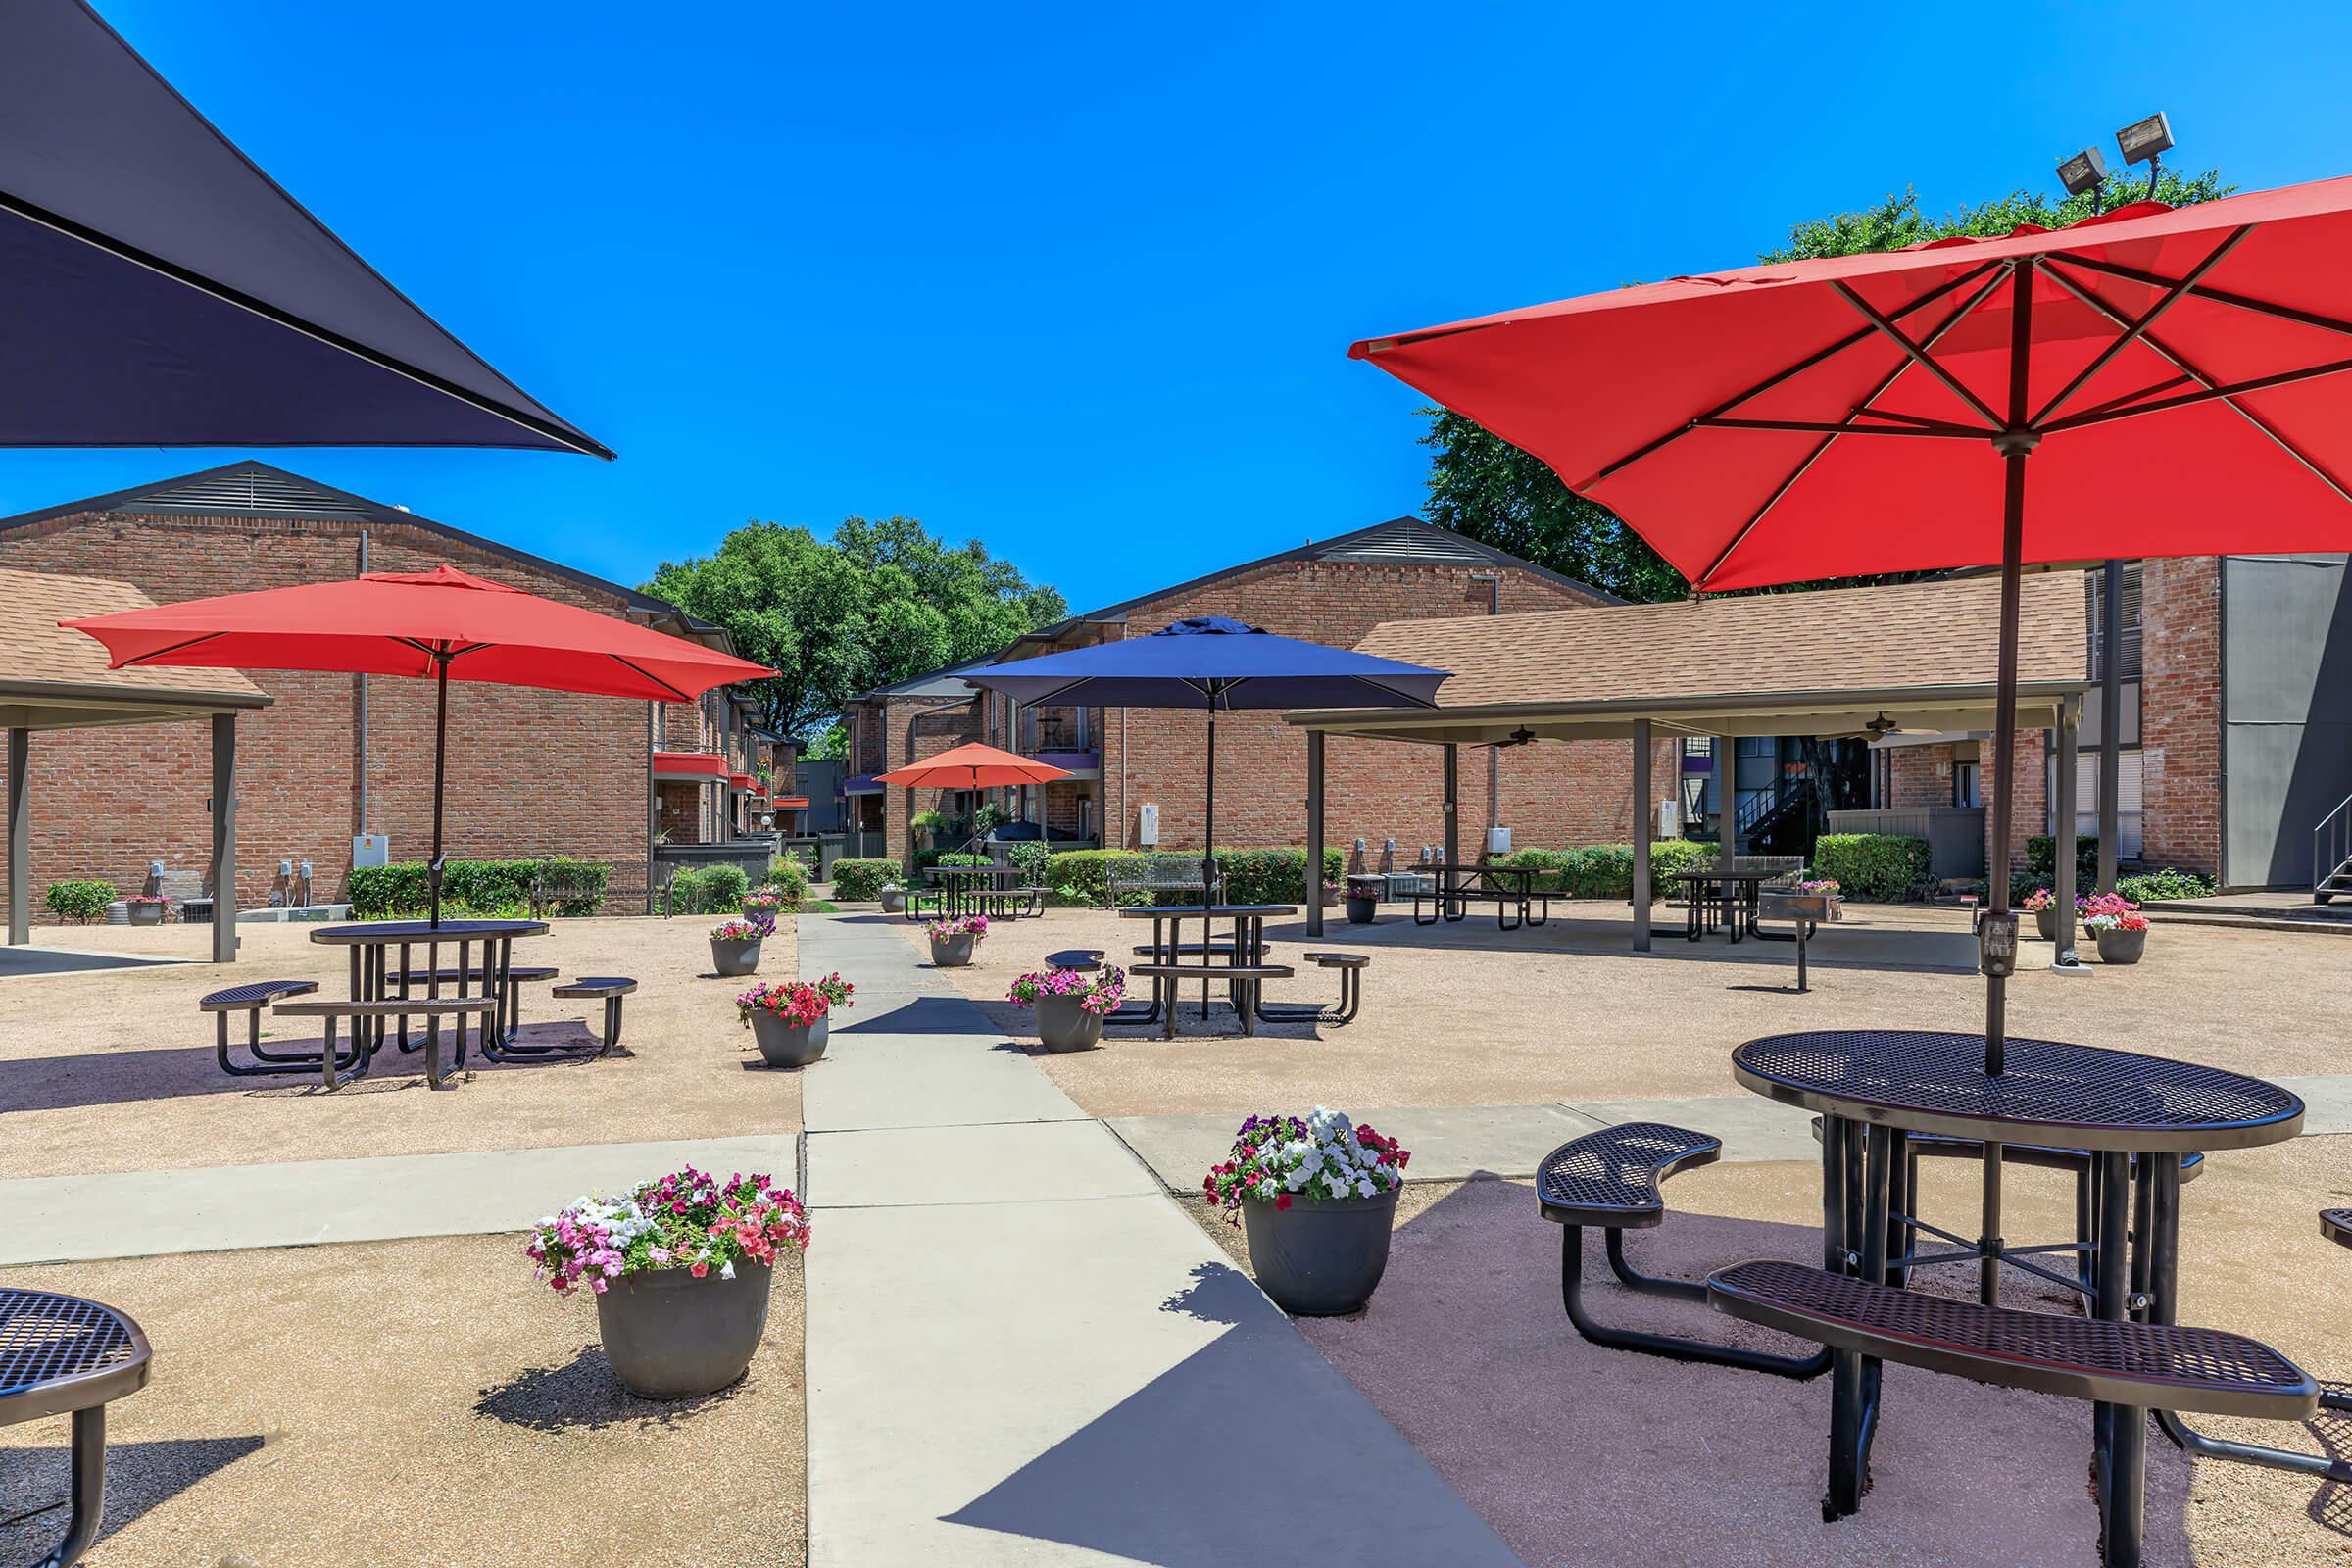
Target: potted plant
x=2043, y=905
x=735, y=946
x=894, y=899
x=1823, y=898
x=2117, y=925
x=790, y=1019
x=1070, y=1004
x=680, y=1266
x=927, y=825
x=952, y=940
x=148, y=909
x=1317, y=1197
x=1364, y=889
x=761, y=905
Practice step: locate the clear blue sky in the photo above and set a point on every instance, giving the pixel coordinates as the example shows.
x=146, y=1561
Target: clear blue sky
x=1078, y=280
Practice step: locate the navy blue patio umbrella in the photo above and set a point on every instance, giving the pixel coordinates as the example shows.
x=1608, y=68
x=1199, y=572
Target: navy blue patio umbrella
x=1214, y=663
x=163, y=291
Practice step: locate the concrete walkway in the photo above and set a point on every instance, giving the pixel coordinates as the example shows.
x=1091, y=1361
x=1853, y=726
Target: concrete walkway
x=1021, y=1351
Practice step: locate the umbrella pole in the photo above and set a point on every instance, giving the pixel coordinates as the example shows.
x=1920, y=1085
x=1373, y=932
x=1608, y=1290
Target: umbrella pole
x=440, y=772
x=1208, y=842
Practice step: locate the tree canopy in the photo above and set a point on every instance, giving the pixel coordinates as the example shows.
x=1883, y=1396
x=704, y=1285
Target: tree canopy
x=883, y=600
x=1483, y=486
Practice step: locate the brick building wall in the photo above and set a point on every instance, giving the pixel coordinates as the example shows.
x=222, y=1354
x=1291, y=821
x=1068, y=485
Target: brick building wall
x=529, y=772
x=1922, y=776
x=904, y=720
x=2181, y=713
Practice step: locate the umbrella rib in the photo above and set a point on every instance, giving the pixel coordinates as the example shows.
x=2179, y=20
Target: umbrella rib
x=1833, y=428
x=293, y=324
x=1919, y=356
x=2191, y=373
x=2137, y=329
x=1862, y=335
x=145, y=659
x=2243, y=301
x=1864, y=407
x=2259, y=383
x=630, y=663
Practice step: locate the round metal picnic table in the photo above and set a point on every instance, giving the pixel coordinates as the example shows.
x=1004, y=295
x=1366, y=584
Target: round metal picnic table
x=373, y=978
x=1167, y=943
x=2134, y=1115
x=61, y=1354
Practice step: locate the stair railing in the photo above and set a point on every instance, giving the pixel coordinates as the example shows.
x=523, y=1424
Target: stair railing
x=2330, y=847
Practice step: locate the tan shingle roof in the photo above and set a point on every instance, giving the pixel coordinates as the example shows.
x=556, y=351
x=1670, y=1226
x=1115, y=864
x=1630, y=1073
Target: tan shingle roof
x=33, y=647
x=1918, y=635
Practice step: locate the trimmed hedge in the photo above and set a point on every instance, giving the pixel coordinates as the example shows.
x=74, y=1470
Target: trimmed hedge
x=80, y=899
x=1872, y=865
x=1251, y=876
x=2041, y=857
x=860, y=881
x=379, y=892
x=1606, y=870
x=723, y=888
x=2168, y=883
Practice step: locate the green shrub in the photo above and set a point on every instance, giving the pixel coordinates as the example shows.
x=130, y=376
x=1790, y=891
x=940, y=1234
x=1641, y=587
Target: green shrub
x=928, y=821
x=1606, y=870
x=379, y=892
x=1077, y=876
x=1030, y=856
x=2041, y=857
x=1274, y=877
x=684, y=893
x=80, y=899
x=2167, y=883
x=860, y=881
x=1550, y=865
x=1872, y=865
x=788, y=875
x=723, y=888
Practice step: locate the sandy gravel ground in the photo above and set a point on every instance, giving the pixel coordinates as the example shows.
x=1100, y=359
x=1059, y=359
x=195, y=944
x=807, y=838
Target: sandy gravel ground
x=1580, y=1455
x=400, y=1404
x=115, y=1070
x=1465, y=1014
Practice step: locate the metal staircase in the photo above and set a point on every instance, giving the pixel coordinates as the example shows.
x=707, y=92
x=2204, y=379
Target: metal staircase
x=1781, y=821
x=2331, y=854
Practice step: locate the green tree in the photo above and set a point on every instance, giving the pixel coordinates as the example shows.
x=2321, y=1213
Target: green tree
x=882, y=601
x=1483, y=486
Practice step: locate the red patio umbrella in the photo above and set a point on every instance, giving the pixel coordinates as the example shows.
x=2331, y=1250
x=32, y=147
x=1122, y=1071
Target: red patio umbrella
x=442, y=623
x=972, y=766
x=2149, y=382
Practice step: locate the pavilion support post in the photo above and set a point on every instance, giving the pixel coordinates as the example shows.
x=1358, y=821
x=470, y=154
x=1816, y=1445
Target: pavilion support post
x=1314, y=832
x=2070, y=727
x=1454, y=801
x=1726, y=803
x=1642, y=832
x=2111, y=719
x=20, y=838
x=225, y=838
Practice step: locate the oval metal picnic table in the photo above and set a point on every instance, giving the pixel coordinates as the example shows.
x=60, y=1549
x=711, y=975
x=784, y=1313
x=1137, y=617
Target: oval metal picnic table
x=372, y=976
x=59, y=1356
x=1168, y=932
x=2134, y=1115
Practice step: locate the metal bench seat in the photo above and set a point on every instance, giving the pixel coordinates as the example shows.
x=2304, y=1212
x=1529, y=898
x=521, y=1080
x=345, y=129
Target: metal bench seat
x=2129, y=1364
x=250, y=999
x=1198, y=950
x=335, y=1074
x=608, y=989
x=1243, y=979
x=472, y=976
x=2336, y=1225
x=1351, y=966
x=1075, y=958
x=61, y=1354
x=1611, y=1178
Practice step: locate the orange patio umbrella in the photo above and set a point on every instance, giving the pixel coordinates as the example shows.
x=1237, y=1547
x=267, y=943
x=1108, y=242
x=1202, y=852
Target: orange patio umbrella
x=972, y=766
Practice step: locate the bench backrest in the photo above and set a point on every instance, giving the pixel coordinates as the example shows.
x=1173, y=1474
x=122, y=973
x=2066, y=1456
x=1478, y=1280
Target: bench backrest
x=1155, y=873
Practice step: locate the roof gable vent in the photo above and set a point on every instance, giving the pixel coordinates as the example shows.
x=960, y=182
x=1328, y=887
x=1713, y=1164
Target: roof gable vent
x=248, y=492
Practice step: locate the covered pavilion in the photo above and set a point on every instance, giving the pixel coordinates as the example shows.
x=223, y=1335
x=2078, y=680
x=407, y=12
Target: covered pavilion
x=1835, y=662
x=52, y=678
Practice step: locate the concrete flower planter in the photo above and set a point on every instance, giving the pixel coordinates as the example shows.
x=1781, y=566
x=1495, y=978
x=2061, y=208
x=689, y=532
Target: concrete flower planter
x=670, y=1335
x=145, y=913
x=761, y=911
x=735, y=955
x=2046, y=921
x=894, y=900
x=783, y=1044
x=1363, y=899
x=1320, y=1259
x=1062, y=1024
x=2122, y=946
x=953, y=953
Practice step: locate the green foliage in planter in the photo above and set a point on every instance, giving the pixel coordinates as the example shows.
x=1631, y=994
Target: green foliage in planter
x=860, y=881
x=928, y=821
x=1872, y=865
x=84, y=899
x=2167, y=883
x=2041, y=857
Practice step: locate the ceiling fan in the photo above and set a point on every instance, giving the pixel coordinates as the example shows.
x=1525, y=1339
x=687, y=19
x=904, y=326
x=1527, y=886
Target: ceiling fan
x=1518, y=737
x=1882, y=726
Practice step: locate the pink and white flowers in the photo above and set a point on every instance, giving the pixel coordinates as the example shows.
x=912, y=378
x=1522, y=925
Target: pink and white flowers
x=742, y=930
x=974, y=926
x=1098, y=991
x=1321, y=1157
x=683, y=1220
x=2111, y=911
x=799, y=1002
x=1827, y=887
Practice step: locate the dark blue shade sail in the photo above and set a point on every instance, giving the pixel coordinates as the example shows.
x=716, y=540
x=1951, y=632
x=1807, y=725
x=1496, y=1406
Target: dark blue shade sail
x=1212, y=662
x=164, y=291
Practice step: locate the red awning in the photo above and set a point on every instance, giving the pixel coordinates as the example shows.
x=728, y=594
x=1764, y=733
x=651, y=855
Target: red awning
x=689, y=764
x=741, y=781
x=792, y=802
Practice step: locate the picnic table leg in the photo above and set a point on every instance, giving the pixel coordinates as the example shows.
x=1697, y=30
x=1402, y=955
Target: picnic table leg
x=89, y=1488
x=1804, y=929
x=2120, y=1430
x=1855, y=1187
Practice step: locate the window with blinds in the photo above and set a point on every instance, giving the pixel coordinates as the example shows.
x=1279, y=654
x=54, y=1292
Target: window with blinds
x=2094, y=586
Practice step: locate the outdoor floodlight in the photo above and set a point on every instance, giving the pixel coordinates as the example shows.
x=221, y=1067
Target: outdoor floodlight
x=2146, y=139
x=2086, y=171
